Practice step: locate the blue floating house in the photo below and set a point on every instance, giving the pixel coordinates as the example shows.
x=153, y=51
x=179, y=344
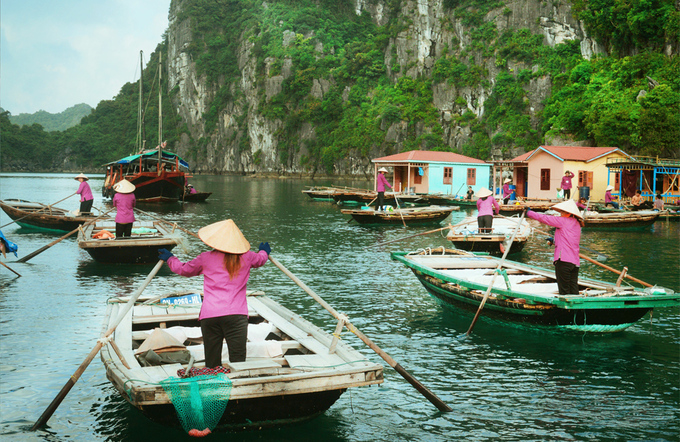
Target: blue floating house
x=431, y=172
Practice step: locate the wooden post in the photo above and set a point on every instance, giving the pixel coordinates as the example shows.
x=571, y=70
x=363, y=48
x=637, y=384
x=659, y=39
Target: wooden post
x=621, y=276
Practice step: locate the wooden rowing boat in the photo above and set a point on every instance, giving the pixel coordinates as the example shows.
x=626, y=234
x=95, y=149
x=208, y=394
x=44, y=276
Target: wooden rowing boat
x=535, y=205
x=450, y=200
x=620, y=220
x=411, y=215
x=41, y=216
x=465, y=235
x=140, y=248
x=528, y=295
x=195, y=197
x=290, y=373
x=348, y=196
x=320, y=193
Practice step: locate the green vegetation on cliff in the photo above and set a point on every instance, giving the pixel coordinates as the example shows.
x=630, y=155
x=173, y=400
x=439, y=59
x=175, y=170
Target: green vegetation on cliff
x=371, y=105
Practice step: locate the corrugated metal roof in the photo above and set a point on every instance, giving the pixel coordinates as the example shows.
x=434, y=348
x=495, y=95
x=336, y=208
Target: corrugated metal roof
x=429, y=156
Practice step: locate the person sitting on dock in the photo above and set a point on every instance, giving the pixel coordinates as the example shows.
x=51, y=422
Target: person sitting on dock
x=567, y=239
x=86, y=198
x=639, y=202
x=381, y=183
x=124, y=201
x=609, y=199
x=658, y=202
x=582, y=203
x=486, y=204
x=225, y=270
x=507, y=191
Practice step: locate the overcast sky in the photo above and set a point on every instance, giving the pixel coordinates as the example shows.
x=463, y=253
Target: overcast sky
x=58, y=53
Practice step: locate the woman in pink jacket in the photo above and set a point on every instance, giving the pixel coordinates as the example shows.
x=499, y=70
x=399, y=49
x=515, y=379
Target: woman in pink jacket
x=124, y=201
x=567, y=239
x=485, y=209
x=380, y=187
x=566, y=184
x=86, y=198
x=225, y=270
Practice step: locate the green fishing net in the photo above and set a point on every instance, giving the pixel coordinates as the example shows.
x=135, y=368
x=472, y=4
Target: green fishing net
x=199, y=400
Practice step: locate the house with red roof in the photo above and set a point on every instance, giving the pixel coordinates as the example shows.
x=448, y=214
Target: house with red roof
x=426, y=171
x=538, y=174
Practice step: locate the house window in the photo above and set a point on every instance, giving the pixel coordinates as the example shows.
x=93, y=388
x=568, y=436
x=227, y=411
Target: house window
x=471, y=177
x=585, y=179
x=617, y=181
x=417, y=178
x=545, y=179
x=448, y=175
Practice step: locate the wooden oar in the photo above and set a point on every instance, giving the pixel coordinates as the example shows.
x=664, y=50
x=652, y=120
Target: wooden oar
x=495, y=273
x=441, y=406
x=9, y=268
x=100, y=343
x=49, y=206
x=42, y=249
x=589, y=259
x=167, y=222
x=410, y=236
x=399, y=208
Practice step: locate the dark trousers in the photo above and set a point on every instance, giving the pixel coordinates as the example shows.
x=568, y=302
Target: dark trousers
x=123, y=230
x=86, y=206
x=381, y=200
x=566, y=193
x=566, y=274
x=613, y=204
x=484, y=223
x=233, y=328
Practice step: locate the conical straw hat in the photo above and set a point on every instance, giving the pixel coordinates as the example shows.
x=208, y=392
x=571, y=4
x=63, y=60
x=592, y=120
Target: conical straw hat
x=224, y=236
x=124, y=186
x=82, y=175
x=382, y=169
x=609, y=188
x=483, y=192
x=568, y=206
x=160, y=341
x=507, y=180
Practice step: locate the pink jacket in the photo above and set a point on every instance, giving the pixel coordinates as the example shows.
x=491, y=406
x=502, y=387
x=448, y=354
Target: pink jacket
x=566, y=181
x=85, y=192
x=485, y=206
x=506, y=190
x=567, y=236
x=382, y=182
x=124, y=202
x=221, y=296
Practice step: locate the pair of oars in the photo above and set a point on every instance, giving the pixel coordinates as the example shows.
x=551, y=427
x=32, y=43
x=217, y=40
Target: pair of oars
x=591, y=260
x=441, y=406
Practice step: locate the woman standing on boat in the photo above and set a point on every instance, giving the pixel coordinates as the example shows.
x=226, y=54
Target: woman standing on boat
x=225, y=270
x=382, y=182
x=86, y=198
x=124, y=201
x=507, y=191
x=485, y=209
x=567, y=239
x=566, y=184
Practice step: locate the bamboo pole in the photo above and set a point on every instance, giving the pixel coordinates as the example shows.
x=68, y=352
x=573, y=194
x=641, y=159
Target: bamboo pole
x=9, y=268
x=495, y=273
x=100, y=343
x=441, y=406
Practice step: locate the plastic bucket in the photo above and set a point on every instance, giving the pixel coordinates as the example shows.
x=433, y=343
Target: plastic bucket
x=584, y=192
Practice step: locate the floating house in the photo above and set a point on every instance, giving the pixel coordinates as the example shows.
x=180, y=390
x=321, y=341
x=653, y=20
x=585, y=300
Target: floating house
x=538, y=174
x=651, y=175
x=430, y=172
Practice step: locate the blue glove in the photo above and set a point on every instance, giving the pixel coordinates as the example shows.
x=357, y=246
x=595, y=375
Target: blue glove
x=265, y=246
x=551, y=240
x=164, y=254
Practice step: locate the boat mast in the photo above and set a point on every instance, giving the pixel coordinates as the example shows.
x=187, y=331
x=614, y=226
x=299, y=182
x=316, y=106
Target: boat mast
x=160, y=112
x=140, y=119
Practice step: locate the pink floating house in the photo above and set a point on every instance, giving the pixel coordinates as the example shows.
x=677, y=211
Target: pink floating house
x=538, y=174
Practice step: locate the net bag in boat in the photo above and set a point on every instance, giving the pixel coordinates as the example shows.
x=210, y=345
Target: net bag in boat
x=199, y=401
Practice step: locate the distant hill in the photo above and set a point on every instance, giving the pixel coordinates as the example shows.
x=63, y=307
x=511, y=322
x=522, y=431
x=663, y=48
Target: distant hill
x=54, y=122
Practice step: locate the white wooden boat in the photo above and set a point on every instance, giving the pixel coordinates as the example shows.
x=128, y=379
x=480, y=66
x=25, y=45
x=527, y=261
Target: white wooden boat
x=140, y=248
x=620, y=220
x=410, y=215
x=465, y=235
x=290, y=373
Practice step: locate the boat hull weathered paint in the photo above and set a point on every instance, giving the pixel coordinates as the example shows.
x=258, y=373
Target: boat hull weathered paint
x=53, y=219
x=411, y=216
x=136, y=249
x=465, y=236
x=528, y=295
x=620, y=220
x=299, y=381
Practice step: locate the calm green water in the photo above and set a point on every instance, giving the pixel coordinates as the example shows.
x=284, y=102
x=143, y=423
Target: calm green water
x=503, y=382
